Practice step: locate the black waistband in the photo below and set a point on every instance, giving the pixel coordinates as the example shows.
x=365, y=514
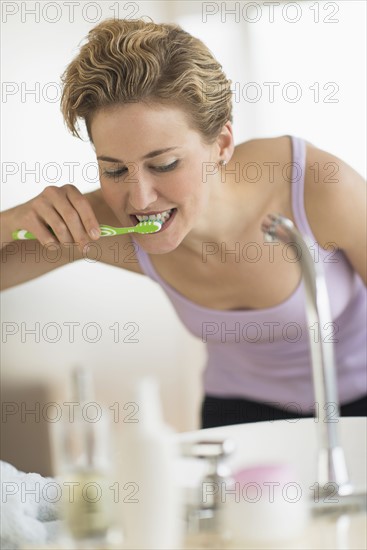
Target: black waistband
x=219, y=411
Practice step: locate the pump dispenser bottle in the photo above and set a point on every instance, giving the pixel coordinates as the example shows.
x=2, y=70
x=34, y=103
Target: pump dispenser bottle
x=151, y=503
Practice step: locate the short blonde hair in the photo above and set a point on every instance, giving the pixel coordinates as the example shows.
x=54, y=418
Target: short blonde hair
x=125, y=61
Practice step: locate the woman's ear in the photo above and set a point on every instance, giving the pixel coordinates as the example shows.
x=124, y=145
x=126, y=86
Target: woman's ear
x=225, y=143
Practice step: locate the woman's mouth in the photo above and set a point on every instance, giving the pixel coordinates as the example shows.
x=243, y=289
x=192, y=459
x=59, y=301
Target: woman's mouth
x=165, y=218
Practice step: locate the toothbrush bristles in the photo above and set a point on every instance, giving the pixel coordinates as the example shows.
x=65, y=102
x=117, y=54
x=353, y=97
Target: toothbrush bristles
x=150, y=226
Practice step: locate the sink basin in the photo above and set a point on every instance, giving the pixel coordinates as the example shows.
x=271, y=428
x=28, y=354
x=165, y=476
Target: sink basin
x=295, y=442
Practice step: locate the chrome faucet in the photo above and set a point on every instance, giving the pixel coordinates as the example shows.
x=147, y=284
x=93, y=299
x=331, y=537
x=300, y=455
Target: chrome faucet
x=204, y=513
x=332, y=470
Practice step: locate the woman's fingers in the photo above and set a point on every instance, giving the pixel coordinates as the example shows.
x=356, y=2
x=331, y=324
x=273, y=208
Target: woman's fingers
x=61, y=215
x=86, y=215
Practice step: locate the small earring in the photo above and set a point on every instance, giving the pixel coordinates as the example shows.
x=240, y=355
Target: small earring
x=222, y=162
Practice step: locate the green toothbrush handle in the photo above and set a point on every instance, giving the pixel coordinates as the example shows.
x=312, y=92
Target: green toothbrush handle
x=106, y=230
x=22, y=234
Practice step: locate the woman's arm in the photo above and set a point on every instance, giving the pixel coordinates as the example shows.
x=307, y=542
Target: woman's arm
x=63, y=209
x=22, y=261
x=335, y=202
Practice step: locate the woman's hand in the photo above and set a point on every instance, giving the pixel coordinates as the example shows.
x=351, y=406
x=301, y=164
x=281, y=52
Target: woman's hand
x=61, y=216
x=57, y=215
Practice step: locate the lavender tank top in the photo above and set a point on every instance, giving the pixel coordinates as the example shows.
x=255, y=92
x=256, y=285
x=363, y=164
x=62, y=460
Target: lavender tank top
x=263, y=355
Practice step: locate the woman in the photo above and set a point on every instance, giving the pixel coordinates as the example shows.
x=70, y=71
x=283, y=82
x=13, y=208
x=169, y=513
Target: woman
x=157, y=108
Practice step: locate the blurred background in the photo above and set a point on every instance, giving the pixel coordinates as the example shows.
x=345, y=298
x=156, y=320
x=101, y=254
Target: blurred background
x=296, y=68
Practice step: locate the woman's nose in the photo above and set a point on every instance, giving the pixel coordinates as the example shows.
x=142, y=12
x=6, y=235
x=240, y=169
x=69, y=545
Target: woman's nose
x=142, y=192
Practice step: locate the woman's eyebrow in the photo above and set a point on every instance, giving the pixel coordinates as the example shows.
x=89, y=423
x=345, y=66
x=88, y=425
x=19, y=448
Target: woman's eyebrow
x=147, y=156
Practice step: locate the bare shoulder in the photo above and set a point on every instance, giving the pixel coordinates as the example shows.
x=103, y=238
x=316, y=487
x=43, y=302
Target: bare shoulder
x=119, y=251
x=277, y=150
x=335, y=194
x=264, y=166
x=335, y=203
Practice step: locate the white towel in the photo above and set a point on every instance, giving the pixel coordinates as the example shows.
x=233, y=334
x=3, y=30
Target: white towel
x=29, y=508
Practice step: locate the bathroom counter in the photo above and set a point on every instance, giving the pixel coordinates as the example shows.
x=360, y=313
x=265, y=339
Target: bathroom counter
x=295, y=442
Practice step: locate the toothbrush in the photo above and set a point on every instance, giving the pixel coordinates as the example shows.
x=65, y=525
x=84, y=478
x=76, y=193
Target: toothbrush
x=106, y=230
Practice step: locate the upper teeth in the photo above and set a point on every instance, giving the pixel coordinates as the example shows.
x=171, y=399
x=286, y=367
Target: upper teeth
x=162, y=216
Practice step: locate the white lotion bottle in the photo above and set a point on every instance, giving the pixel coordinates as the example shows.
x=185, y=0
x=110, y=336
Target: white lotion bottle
x=151, y=514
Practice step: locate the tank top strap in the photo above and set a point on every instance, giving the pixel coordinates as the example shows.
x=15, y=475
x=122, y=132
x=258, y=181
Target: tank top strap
x=298, y=190
x=298, y=184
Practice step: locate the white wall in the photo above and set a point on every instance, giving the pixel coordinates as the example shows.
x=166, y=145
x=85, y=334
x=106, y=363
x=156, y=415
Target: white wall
x=319, y=46
x=35, y=53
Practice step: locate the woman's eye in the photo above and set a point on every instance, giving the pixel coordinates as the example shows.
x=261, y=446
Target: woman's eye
x=114, y=173
x=121, y=171
x=166, y=167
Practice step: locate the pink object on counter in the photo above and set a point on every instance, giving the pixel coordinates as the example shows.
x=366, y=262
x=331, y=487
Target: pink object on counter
x=265, y=504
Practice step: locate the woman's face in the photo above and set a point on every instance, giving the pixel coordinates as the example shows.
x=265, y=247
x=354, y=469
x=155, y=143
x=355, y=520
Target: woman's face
x=152, y=162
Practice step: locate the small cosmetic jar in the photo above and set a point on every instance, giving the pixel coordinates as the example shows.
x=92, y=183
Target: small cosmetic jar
x=264, y=505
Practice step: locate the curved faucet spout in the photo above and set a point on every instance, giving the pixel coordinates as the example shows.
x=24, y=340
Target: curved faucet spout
x=332, y=470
